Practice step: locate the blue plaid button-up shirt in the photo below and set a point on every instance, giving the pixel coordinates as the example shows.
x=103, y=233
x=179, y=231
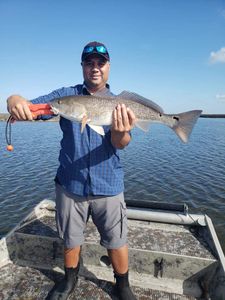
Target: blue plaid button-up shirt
x=89, y=164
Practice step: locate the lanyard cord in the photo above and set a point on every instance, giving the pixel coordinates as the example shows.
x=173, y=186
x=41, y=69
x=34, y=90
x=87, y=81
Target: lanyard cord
x=8, y=132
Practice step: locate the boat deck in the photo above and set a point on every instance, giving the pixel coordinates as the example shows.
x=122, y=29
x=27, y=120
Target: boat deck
x=167, y=262
x=24, y=283
x=186, y=240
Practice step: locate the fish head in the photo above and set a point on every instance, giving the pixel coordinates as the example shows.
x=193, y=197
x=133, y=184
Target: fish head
x=68, y=108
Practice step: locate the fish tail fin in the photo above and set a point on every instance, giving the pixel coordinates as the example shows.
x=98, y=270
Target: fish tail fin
x=185, y=124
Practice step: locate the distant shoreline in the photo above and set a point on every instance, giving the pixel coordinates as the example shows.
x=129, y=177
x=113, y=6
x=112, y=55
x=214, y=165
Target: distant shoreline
x=216, y=116
x=4, y=117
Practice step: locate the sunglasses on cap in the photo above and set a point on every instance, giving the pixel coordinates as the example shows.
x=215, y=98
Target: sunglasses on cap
x=99, y=49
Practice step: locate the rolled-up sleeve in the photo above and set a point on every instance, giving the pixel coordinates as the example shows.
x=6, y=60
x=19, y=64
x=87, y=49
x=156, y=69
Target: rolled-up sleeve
x=62, y=92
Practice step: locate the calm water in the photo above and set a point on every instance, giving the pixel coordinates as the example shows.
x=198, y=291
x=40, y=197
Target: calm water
x=158, y=167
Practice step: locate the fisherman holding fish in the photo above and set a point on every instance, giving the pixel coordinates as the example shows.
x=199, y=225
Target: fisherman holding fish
x=89, y=180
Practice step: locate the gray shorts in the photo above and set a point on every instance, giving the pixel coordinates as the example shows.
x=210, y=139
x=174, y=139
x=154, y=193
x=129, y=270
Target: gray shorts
x=108, y=214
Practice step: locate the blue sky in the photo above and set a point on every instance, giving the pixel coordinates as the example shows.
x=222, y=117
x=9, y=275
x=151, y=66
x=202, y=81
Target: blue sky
x=170, y=51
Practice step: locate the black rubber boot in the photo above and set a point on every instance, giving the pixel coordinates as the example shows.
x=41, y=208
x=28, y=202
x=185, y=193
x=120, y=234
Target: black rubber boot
x=123, y=287
x=64, y=288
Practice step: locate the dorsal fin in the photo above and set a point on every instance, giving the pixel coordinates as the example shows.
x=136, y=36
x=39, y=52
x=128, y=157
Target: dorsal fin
x=103, y=93
x=135, y=97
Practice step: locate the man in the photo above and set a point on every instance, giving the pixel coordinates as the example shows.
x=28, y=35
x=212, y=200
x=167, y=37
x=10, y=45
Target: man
x=89, y=179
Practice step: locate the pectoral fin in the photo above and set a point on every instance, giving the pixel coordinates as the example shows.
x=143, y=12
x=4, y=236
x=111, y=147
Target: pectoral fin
x=84, y=122
x=98, y=129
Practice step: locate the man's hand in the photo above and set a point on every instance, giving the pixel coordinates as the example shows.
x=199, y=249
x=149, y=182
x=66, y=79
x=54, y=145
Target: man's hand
x=123, y=121
x=18, y=107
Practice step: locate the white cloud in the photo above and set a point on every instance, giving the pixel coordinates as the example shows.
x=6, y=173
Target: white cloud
x=218, y=57
x=220, y=96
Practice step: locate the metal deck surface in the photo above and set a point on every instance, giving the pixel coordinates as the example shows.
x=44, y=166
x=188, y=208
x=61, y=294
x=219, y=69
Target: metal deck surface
x=186, y=240
x=24, y=283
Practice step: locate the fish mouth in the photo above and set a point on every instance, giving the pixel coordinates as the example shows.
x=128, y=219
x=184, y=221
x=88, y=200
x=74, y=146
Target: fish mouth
x=54, y=110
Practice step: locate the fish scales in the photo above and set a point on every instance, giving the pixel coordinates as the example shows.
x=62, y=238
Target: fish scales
x=100, y=105
x=96, y=111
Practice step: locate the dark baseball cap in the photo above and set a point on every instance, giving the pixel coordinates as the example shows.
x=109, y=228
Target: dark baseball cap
x=95, y=48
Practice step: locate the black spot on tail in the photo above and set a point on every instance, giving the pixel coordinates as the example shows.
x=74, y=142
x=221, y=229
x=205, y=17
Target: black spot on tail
x=176, y=118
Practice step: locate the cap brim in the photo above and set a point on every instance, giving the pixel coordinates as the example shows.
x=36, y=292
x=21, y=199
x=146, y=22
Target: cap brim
x=88, y=55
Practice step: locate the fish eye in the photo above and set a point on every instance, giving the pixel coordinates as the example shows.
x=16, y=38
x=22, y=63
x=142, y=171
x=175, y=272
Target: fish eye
x=59, y=101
